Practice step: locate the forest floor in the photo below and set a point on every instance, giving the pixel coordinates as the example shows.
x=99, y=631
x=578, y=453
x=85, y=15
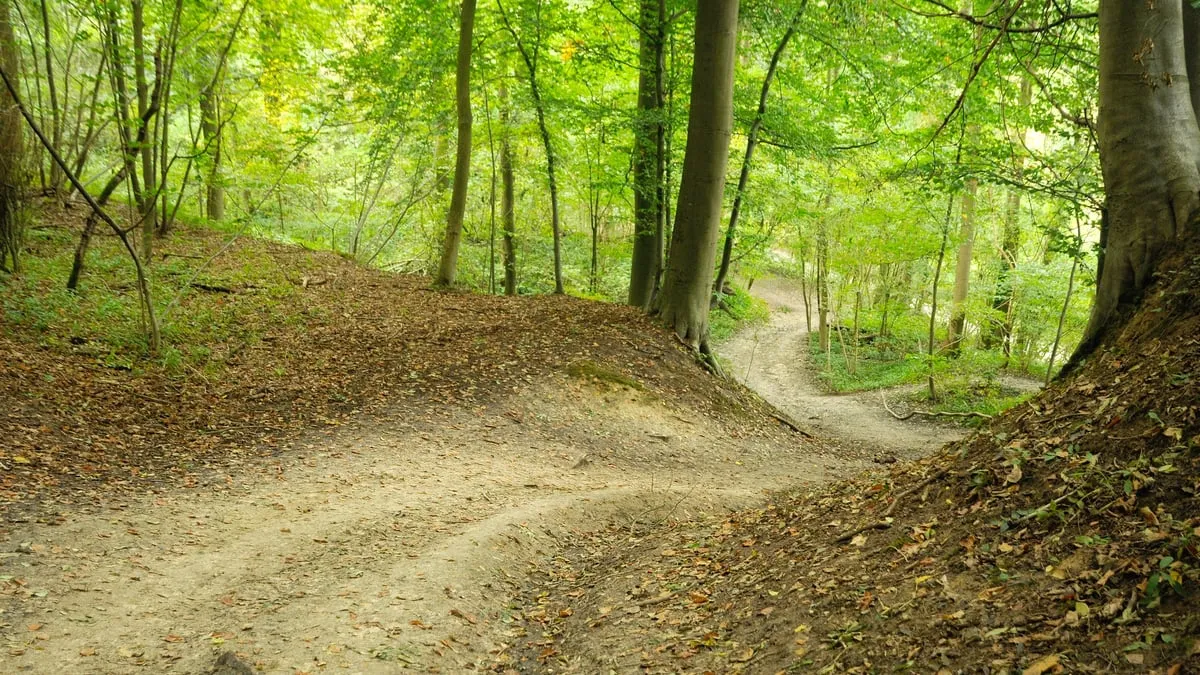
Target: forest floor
x=359, y=475
x=341, y=470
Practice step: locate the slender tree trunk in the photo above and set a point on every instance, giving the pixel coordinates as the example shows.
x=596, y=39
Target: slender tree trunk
x=962, y=270
x=89, y=228
x=823, y=276
x=487, y=109
x=530, y=56
x=804, y=294
x=1062, y=315
x=448, y=269
x=648, y=160
x=147, y=200
x=933, y=306
x=56, y=112
x=747, y=158
x=1149, y=150
x=552, y=180
x=507, y=199
x=12, y=151
x=687, y=285
x=210, y=129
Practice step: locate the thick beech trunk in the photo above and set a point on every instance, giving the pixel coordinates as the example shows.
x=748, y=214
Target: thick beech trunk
x=1149, y=149
x=448, y=269
x=683, y=304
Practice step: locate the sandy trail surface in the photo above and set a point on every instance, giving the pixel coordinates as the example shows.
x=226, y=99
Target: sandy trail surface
x=382, y=548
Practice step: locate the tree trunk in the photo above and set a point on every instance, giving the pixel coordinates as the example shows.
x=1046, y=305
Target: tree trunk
x=648, y=160
x=751, y=144
x=210, y=128
x=823, y=276
x=962, y=270
x=687, y=285
x=56, y=113
x=89, y=228
x=1149, y=150
x=12, y=149
x=148, y=198
x=448, y=269
x=507, y=199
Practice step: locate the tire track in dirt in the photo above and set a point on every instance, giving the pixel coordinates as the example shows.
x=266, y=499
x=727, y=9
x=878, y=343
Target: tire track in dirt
x=375, y=550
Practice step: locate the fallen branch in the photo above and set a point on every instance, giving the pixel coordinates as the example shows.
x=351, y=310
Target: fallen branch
x=887, y=522
x=929, y=413
x=211, y=288
x=791, y=425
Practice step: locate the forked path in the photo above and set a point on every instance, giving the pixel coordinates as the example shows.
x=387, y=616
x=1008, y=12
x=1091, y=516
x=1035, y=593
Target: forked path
x=773, y=360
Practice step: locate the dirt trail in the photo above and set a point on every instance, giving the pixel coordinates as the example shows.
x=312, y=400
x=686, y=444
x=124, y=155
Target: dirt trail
x=772, y=360
x=376, y=550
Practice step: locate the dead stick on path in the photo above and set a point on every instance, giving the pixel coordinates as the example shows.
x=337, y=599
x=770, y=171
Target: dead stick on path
x=929, y=413
x=885, y=523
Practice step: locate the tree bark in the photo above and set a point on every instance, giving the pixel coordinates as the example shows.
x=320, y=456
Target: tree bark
x=648, y=157
x=448, y=270
x=210, y=129
x=148, y=198
x=751, y=144
x=684, y=302
x=12, y=149
x=56, y=113
x=1149, y=151
x=507, y=199
x=962, y=270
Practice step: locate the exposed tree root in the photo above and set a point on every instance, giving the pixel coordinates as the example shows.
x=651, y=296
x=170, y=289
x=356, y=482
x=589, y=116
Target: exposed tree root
x=929, y=413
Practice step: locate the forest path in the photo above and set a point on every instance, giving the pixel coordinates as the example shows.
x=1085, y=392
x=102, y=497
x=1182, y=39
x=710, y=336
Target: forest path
x=389, y=547
x=773, y=360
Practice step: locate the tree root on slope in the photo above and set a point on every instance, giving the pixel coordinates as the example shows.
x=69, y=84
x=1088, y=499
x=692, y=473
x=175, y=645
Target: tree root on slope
x=929, y=413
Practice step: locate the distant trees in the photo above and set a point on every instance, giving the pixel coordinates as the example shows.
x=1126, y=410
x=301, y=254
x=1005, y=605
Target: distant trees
x=330, y=126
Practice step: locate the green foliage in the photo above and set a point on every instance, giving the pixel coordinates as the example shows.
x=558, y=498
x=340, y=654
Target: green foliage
x=102, y=320
x=735, y=312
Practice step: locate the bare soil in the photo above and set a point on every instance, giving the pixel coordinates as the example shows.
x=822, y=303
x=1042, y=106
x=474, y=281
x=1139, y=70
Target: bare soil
x=372, y=549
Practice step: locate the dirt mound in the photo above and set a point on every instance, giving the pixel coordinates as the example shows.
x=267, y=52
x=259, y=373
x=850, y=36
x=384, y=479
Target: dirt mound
x=1061, y=537
x=267, y=342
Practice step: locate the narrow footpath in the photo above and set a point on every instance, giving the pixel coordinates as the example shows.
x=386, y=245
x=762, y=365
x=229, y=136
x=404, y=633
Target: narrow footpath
x=773, y=360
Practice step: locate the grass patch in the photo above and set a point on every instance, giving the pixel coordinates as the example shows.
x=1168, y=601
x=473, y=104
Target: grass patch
x=736, y=312
x=970, y=383
x=589, y=370
x=102, y=319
